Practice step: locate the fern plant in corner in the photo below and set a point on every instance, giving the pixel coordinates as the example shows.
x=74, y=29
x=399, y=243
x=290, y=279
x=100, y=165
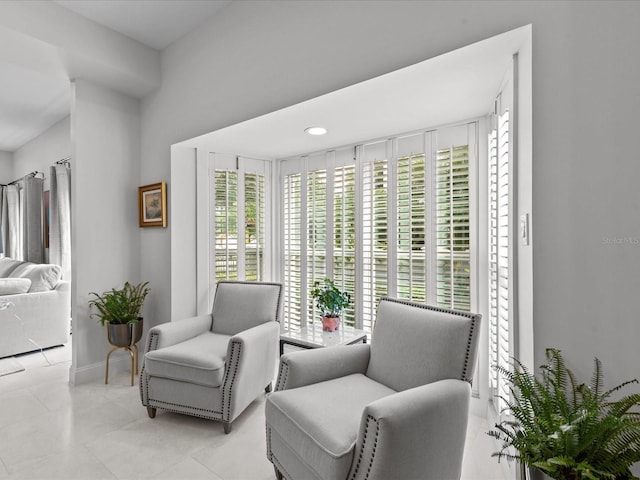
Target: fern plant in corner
x=566, y=429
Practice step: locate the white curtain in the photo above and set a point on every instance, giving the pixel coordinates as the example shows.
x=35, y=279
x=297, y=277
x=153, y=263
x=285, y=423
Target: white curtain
x=32, y=196
x=4, y=222
x=11, y=222
x=60, y=218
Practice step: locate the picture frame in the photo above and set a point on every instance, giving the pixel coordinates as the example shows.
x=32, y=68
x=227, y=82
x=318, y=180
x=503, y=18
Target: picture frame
x=152, y=205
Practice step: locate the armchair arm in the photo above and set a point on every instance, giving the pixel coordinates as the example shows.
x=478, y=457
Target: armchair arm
x=251, y=362
x=416, y=433
x=170, y=333
x=318, y=365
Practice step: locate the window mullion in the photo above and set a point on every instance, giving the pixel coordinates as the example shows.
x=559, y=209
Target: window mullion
x=330, y=214
x=392, y=233
x=431, y=243
x=359, y=271
x=240, y=220
x=304, y=283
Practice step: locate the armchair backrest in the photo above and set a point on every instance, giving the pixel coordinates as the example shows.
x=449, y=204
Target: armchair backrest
x=414, y=344
x=238, y=306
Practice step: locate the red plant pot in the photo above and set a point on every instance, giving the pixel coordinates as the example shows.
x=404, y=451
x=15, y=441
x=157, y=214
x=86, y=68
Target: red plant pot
x=330, y=324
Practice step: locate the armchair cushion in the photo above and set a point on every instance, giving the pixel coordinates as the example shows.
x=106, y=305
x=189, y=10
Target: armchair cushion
x=200, y=360
x=326, y=439
x=415, y=344
x=239, y=306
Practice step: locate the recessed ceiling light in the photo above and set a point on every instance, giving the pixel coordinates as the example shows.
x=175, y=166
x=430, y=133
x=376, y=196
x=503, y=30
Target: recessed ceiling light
x=316, y=130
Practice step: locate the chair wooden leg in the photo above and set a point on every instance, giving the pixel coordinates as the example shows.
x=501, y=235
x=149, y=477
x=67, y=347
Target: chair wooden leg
x=267, y=389
x=227, y=427
x=278, y=474
x=151, y=412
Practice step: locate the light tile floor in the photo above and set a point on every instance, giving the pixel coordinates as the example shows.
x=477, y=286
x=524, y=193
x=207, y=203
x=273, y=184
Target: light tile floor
x=51, y=430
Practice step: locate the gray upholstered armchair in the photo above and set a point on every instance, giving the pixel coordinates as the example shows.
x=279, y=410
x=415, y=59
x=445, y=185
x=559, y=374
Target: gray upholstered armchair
x=397, y=408
x=215, y=365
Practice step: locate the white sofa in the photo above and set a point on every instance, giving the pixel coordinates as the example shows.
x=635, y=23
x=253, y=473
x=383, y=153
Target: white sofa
x=39, y=313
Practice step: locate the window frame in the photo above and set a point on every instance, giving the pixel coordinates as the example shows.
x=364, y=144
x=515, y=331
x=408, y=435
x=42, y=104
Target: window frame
x=206, y=165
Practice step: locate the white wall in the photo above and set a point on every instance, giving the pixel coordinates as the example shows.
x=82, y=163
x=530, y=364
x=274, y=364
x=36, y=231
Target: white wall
x=256, y=57
x=6, y=167
x=43, y=151
x=105, y=238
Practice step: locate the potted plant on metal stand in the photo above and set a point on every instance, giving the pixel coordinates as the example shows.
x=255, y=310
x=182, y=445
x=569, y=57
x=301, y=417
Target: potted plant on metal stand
x=119, y=311
x=562, y=429
x=331, y=302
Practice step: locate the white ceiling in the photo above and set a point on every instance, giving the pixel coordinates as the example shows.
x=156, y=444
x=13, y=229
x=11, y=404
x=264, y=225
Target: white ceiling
x=32, y=101
x=155, y=23
x=459, y=85
x=455, y=86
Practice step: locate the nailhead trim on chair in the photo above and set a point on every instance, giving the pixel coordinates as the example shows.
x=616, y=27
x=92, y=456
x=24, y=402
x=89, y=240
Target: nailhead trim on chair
x=364, y=444
x=168, y=406
x=283, y=374
x=268, y=435
x=227, y=388
x=472, y=316
x=152, y=344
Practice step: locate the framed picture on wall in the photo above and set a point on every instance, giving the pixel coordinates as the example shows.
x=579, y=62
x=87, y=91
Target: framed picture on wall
x=152, y=205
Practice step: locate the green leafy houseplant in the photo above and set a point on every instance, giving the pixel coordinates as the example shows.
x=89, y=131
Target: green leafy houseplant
x=329, y=299
x=566, y=429
x=120, y=306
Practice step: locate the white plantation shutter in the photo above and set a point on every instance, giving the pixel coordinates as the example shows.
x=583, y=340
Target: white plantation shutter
x=375, y=230
x=499, y=254
x=292, y=249
x=226, y=224
x=344, y=235
x=412, y=200
x=316, y=206
x=255, y=239
x=453, y=240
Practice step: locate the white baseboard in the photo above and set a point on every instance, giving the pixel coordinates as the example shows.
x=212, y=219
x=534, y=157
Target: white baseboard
x=96, y=371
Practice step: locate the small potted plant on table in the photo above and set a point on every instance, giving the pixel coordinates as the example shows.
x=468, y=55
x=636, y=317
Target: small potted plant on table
x=562, y=429
x=331, y=302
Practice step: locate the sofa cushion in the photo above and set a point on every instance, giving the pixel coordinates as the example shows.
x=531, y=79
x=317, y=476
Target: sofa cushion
x=8, y=265
x=14, y=286
x=43, y=276
x=198, y=360
x=321, y=421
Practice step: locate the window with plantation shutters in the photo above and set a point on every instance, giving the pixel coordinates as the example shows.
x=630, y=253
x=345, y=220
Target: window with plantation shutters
x=499, y=254
x=393, y=221
x=453, y=245
x=239, y=209
x=318, y=231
